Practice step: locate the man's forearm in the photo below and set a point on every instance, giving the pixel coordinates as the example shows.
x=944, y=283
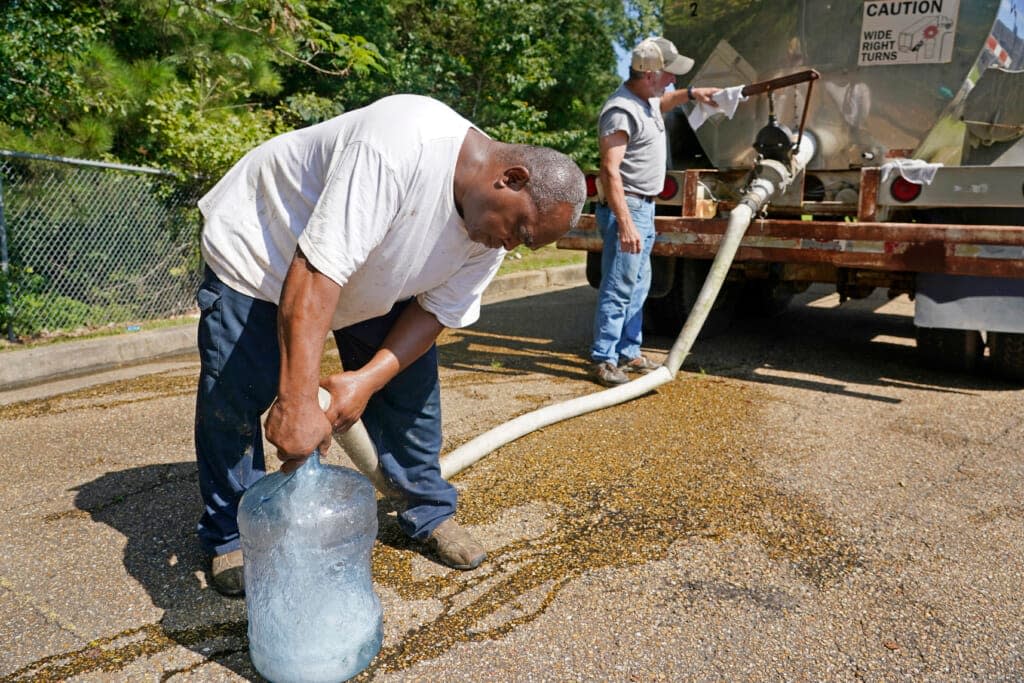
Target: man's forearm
x=413, y=333
x=674, y=98
x=308, y=301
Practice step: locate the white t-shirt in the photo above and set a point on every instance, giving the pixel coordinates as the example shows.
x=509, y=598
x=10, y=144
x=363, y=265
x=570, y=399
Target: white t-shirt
x=368, y=196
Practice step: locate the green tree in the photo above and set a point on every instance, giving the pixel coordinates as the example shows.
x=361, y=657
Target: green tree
x=529, y=71
x=40, y=44
x=105, y=76
x=192, y=84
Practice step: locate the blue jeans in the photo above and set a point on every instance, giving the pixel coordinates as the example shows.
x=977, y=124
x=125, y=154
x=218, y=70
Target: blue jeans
x=240, y=361
x=404, y=422
x=625, y=282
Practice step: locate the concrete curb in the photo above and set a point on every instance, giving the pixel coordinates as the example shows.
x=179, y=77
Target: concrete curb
x=69, y=359
x=556, y=276
x=20, y=368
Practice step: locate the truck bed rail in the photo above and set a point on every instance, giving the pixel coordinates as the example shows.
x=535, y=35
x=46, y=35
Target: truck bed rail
x=984, y=250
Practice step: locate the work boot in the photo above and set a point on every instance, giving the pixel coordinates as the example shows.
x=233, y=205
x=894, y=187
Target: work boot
x=608, y=375
x=640, y=365
x=455, y=547
x=226, y=574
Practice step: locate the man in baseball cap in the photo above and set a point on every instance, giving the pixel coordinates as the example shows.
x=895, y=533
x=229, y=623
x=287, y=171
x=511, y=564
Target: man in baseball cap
x=633, y=146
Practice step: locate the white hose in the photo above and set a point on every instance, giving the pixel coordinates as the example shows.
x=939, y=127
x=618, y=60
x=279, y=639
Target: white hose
x=739, y=219
x=358, y=446
x=772, y=178
x=472, y=451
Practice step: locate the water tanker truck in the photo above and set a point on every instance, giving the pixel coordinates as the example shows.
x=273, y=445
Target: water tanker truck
x=916, y=184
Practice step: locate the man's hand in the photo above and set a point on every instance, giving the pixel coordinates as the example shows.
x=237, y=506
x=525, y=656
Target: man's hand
x=629, y=238
x=349, y=395
x=413, y=333
x=297, y=427
x=705, y=96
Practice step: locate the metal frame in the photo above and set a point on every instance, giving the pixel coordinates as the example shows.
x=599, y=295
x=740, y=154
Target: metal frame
x=866, y=242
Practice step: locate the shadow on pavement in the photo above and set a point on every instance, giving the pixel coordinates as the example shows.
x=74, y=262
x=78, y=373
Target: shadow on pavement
x=822, y=348
x=826, y=349
x=513, y=338
x=155, y=508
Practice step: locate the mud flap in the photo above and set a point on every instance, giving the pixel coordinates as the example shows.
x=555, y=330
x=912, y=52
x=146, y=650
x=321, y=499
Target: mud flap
x=961, y=302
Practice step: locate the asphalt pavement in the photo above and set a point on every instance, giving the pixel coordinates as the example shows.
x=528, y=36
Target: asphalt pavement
x=805, y=502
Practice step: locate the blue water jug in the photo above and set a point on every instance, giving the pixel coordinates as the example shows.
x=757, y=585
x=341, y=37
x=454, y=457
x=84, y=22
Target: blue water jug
x=306, y=540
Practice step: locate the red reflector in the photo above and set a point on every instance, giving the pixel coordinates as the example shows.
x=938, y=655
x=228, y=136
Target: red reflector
x=669, y=189
x=903, y=190
x=591, y=185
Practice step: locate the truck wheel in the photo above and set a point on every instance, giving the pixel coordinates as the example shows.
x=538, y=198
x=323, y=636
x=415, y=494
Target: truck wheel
x=946, y=349
x=764, y=299
x=594, y=269
x=1007, y=353
x=666, y=315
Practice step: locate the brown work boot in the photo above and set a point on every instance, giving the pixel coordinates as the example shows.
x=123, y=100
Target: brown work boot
x=455, y=547
x=608, y=375
x=640, y=365
x=226, y=574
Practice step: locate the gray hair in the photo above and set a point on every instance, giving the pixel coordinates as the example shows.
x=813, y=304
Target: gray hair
x=554, y=178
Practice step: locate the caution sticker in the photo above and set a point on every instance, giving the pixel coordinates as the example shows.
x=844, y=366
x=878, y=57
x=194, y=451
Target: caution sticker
x=907, y=32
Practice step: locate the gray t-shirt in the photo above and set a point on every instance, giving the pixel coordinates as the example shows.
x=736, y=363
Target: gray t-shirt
x=643, y=167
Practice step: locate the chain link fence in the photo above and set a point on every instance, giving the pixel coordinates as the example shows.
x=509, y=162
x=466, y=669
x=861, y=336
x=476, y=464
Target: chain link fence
x=86, y=245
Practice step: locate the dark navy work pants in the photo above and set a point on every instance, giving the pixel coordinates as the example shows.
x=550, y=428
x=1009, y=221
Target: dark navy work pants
x=240, y=361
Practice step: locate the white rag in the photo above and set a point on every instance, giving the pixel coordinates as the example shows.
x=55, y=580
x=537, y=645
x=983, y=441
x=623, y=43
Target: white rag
x=728, y=99
x=914, y=170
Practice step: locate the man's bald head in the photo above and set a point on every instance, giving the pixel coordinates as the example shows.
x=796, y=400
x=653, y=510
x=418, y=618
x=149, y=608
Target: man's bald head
x=554, y=179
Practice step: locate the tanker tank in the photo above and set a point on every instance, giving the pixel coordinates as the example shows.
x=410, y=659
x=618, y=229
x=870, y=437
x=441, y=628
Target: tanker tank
x=936, y=80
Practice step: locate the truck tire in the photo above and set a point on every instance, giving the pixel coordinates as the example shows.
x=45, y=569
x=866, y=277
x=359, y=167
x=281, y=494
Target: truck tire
x=764, y=299
x=1006, y=350
x=593, y=269
x=945, y=349
x=666, y=315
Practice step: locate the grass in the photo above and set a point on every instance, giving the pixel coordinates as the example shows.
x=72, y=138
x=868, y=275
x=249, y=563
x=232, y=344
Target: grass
x=521, y=259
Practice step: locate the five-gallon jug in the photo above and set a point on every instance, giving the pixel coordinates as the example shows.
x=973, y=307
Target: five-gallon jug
x=306, y=539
